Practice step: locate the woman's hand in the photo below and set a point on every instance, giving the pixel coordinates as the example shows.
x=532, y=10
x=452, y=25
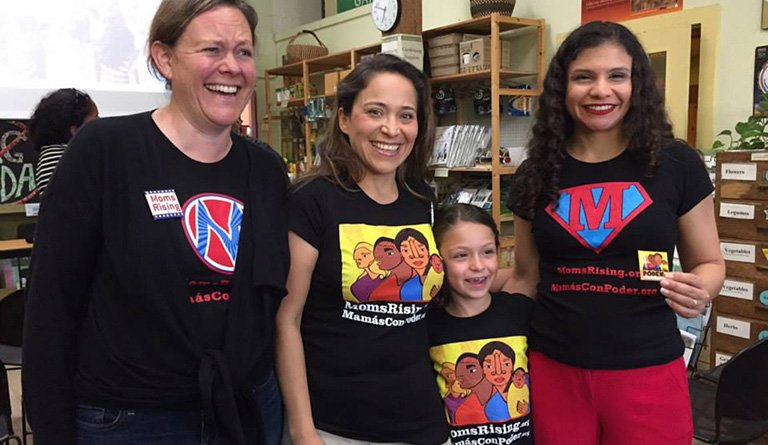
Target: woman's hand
x=685, y=293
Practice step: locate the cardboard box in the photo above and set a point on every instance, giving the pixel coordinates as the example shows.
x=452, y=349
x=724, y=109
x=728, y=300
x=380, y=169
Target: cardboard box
x=444, y=50
x=436, y=62
x=408, y=47
x=476, y=55
x=446, y=39
x=446, y=70
x=330, y=83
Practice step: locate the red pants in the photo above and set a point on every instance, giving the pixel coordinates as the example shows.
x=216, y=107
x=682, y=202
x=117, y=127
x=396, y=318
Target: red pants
x=639, y=406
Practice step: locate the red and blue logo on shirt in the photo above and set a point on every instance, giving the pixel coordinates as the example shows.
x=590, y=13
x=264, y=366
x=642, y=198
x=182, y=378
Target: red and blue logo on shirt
x=595, y=214
x=212, y=225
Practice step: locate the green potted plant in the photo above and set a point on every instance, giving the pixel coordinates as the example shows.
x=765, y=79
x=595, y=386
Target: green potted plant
x=749, y=135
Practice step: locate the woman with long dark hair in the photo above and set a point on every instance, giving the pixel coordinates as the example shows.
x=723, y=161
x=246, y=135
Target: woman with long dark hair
x=605, y=184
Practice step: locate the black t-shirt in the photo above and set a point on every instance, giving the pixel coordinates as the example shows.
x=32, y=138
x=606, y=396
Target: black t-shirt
x=363, y=327
x=211, y=196
x=482, y=371
x=592, y=309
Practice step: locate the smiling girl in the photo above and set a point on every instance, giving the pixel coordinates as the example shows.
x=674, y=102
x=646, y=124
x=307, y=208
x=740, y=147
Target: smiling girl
x=480, y=333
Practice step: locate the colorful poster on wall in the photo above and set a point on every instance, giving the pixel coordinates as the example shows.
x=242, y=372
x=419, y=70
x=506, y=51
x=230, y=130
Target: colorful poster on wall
x=17, y=164
x=619, y=10
x=760, y=87
x=346, y=5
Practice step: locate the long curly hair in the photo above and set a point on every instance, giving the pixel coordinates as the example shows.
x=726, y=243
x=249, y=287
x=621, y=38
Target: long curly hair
x=645, y=125
x=55, y=115
x=340, y=163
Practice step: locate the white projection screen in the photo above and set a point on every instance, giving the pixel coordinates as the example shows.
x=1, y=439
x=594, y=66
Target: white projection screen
x=98, y=46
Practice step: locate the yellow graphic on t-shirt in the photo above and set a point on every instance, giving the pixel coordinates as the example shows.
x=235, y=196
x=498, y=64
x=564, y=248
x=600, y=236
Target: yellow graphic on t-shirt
x=483, y=381
x=389, y=263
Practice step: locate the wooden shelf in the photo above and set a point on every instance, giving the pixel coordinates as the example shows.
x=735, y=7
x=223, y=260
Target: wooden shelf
x=482, y=25
x=304, y=70
x=486, y=75
x=330, y=62
x=507, y=217
x=295, y=102
x=327, y=96
x=367, y=50
x=5, y=291
x=525, y=66
x=481, y=169
x=280, y=116
x=340, y=60
x=507, y=241
x=7, y=209
x=295, y=69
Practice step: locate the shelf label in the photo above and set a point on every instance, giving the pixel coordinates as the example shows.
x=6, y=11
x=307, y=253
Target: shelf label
x=730, y=326
x=762, y=156
x=737, y=211
x=721, y=358
x=738, y=172
x=743, y=253
x=738, y=289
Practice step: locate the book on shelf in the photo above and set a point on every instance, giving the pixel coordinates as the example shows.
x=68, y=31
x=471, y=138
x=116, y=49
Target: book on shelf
x=13, y=272
x=459, y=145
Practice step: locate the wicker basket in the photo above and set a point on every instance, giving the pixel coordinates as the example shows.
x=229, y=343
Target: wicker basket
x=481, y=8
x=296, y=52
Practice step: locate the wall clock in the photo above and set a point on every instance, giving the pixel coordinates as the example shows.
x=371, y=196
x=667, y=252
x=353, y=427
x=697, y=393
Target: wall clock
x=385, y=14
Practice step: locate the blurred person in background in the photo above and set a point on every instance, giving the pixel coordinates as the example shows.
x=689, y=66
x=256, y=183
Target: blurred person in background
x=57, y=117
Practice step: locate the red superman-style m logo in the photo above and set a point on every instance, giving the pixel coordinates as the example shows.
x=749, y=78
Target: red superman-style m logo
x=595, y=214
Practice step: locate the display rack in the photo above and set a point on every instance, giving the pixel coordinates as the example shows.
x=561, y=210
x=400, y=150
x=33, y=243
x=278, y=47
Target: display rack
x=740, y=316
x=526, y=37
x=308, y=73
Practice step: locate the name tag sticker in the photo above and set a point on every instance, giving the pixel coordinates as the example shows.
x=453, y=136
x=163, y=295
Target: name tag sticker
x=730, y=326
x=31, y=208
x=738, y=289
x=738, y=172
x=163, y=204
x=743, y=253
x=737, y=211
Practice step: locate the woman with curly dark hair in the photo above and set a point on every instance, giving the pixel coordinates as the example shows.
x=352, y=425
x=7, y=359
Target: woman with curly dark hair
x=57, y=117
x=604, y=184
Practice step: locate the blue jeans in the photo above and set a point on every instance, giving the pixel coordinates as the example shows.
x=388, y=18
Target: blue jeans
x=147, y=426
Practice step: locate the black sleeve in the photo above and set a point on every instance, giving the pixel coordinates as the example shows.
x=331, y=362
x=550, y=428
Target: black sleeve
x=306, y=212
x=64, y=257
x=696, y=184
